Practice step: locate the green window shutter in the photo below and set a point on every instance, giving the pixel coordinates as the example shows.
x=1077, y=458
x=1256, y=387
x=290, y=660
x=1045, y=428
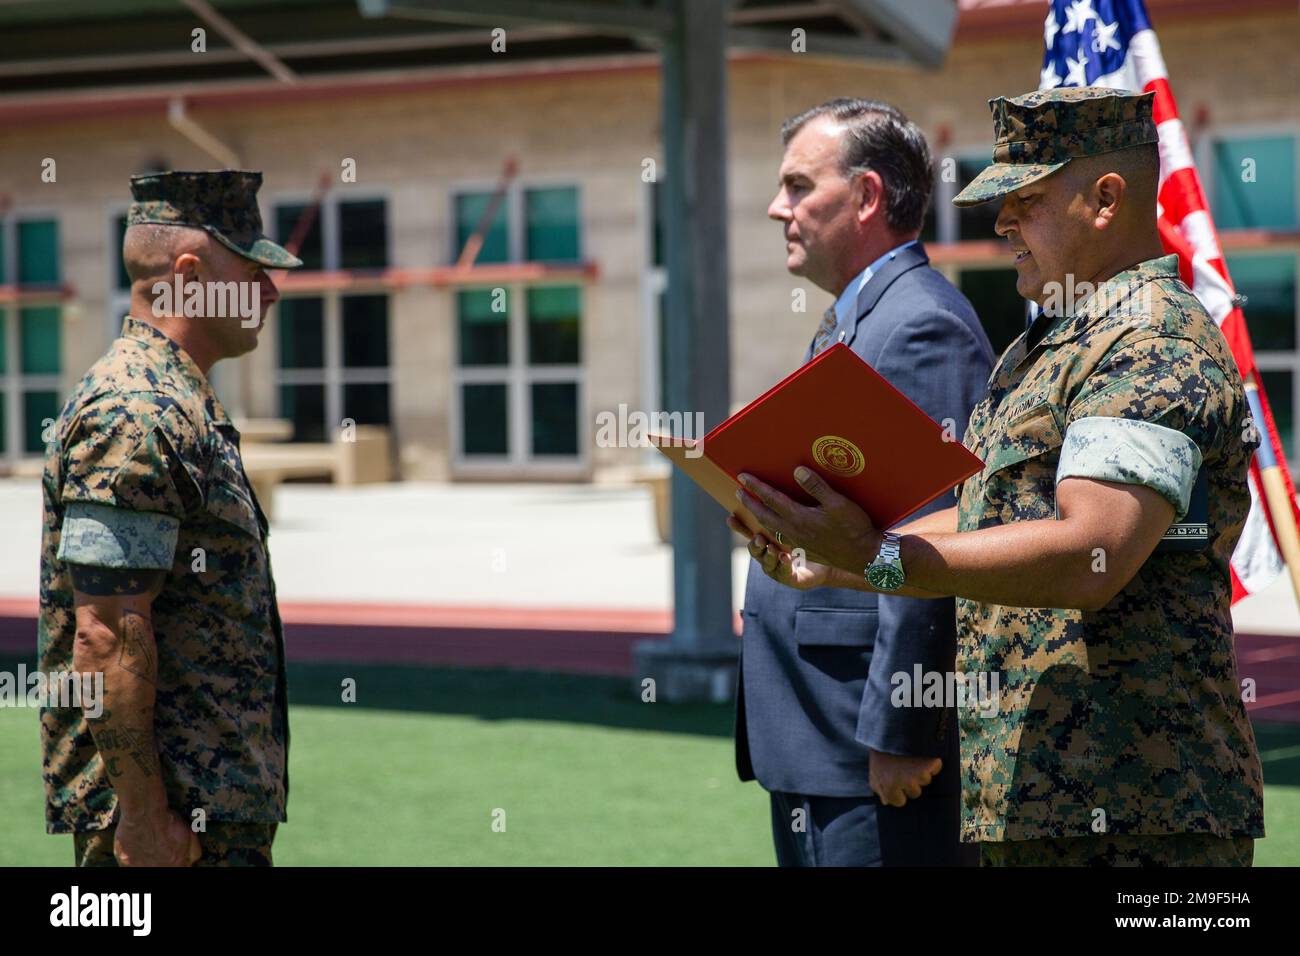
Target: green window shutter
x=470, y=208
x=551, y=224
x=38, y=252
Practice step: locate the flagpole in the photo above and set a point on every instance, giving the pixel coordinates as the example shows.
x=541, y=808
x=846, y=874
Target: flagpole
x=1275, y=493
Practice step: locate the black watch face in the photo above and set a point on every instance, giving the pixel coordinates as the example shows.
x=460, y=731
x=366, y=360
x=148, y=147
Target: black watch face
x=885, y=576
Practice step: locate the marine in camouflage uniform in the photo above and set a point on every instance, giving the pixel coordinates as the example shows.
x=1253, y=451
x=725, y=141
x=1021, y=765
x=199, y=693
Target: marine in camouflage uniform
x=1121, y=736
x=144, y=472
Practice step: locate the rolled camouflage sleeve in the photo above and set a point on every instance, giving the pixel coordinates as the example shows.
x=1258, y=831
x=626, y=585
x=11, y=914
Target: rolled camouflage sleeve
x=1151, y=415
x=128, y=465
x=105, y=537
x=1134, y=452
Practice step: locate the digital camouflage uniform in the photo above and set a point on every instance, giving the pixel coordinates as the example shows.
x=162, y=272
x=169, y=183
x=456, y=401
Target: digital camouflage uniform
x=1121, y=736
x=145, y=472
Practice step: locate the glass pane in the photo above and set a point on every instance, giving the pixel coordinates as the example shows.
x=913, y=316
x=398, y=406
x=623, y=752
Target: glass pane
x=302, y=333
x=304, y=405
x=122, y=279
x=1268, y=283
x=658, y=197
x=366, y=403
x=365, y=331
x=483, y=419
x=930, y=225
x=553, y=325
x=4, y=258
x=38, y=332
x=975, y=222
x=1279, y=386
x=555, y=418
x=38, y=251
x=40, y=409
x=661, y=314
x=483, y=320
x=992, y=292
x=4, y=343
x=363, y=234
x=286, y=221
x=1254, y=183
x=551, y=224
x=470, y=208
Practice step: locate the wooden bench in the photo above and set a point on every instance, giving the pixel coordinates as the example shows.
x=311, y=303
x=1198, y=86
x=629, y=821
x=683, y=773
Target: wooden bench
x=365, y=460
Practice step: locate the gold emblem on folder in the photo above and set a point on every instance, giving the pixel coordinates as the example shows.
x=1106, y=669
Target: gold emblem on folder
x=838, y=455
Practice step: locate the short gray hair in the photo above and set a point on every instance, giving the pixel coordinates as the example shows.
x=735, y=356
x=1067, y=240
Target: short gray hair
x=879, y=137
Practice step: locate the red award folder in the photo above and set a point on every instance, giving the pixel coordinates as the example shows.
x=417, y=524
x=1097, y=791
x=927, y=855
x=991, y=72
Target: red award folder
x=840, y=417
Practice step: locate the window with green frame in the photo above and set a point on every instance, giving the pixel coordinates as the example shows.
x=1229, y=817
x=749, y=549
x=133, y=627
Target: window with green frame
x=550, y=319
x=31, y=339
x=1268, y=283
x=550, y=231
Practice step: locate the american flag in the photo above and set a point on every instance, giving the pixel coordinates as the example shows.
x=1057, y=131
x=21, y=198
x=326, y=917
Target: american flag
x=1111, y=43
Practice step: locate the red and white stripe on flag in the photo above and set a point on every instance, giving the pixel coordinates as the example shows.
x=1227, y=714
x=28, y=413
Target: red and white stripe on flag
x=1187, y=230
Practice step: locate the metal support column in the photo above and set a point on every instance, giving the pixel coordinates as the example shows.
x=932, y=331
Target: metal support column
x=699, y=661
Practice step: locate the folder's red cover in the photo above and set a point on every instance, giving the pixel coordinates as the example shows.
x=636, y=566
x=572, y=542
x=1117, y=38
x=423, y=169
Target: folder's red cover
x=840, y=417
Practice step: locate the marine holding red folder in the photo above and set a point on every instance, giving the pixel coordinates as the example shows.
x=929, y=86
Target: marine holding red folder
x=1121, y=737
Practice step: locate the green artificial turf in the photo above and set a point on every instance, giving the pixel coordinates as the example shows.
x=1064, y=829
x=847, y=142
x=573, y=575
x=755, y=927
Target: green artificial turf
x=416, y=771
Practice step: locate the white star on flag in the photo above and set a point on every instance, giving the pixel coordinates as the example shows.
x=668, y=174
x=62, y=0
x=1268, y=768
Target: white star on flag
x=1074, y=75
x=1050, y=26
x=1103, y=38
x=1078, y=15
x=1049, y=79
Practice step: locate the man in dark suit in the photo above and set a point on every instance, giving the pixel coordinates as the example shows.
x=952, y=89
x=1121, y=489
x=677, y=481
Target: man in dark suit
x=855, y=780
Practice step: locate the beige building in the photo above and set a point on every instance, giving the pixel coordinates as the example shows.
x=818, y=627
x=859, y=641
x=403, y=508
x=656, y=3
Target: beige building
x=500, y=370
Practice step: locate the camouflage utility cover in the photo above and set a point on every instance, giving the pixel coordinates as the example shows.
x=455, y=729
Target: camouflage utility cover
x=1133, y=710
x=1038, y=133
x=144, y=434
x=221, y=202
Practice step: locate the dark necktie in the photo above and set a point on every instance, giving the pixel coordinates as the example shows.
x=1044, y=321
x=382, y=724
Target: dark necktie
x=825, y=332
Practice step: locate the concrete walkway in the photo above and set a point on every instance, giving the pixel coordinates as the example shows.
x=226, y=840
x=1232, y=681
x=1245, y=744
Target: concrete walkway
x=543, y=577
x=478, y=548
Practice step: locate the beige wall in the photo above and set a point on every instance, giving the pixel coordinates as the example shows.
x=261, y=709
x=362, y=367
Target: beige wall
x=593, y=131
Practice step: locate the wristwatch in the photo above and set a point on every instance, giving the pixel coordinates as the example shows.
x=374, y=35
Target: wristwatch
x=886, y=571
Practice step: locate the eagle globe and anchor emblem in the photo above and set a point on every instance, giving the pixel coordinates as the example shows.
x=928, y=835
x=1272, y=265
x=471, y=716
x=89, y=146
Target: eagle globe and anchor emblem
x=838, y=455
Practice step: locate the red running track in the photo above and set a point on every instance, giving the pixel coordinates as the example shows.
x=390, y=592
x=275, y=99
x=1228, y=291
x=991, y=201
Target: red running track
x=573, y=640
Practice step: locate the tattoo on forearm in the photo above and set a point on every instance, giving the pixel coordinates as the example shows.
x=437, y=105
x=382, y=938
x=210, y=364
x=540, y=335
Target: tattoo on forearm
x=112, y=582
x=134, y=742
x=137, y=654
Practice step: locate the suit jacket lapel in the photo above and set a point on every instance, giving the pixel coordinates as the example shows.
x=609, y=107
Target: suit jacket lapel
x=881, y=280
